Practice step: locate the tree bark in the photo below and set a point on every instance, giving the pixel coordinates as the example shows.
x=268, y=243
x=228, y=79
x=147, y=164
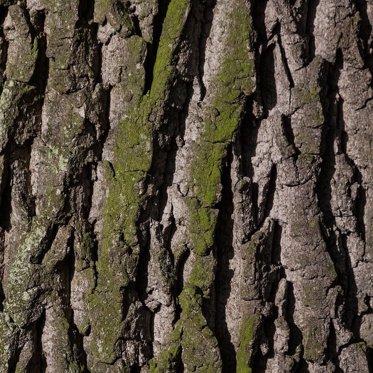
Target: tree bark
x=186, y=186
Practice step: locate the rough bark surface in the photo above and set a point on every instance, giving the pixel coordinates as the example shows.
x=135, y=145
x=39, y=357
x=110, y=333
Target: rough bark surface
x=186, y=186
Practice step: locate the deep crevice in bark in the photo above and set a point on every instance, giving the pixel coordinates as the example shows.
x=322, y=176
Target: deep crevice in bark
x=153, y=47
x=283, y=56
x=41, y=71
x=6, y=193
x=224, y=275
x=310, y=26
x=296, y=337
x=289, y=135
x=38, y=363
x=370, y=358
x=366, y=36
x=332, y=350
x=206, y=24
x=247, y=138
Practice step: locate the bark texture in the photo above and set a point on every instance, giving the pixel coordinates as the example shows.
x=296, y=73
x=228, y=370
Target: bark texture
x=186, y=186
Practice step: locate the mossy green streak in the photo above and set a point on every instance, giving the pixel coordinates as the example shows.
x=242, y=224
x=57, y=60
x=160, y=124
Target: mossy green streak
x=232, y=83
x=246, y=337
x=133, y=157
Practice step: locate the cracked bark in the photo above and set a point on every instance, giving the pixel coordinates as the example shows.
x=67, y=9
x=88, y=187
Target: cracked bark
x=186, y=186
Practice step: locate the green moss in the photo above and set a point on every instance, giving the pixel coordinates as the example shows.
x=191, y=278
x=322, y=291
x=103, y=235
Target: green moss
x=203, y=273
x=20, y=295
x=24, y=273
x=199, y=346
x=17, y=98
x=166, y=358
x=307, y=137
x=133, y=156
x=305, y=227
x=84, y=246
x=200, y=350
x=309, y=94
x=172, y=28
x=191, y=337
x=133, y=149
x=233, y=80
x=101, y=9
x=20, y=66
x=5, y=342
x=106, y=318
x=246, y=337
x=313, y=343
x=256, y=241
x=201, y=230
x=116, y=16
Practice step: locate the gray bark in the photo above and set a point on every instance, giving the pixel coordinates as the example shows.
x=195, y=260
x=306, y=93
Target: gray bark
x=186, y=186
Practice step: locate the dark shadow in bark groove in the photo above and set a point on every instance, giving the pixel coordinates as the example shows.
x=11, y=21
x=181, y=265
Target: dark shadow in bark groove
x=276, y=249
x=135, y=369
x=310, y=28
x=269, y=192
x=369, y=354
x=332, y=350
x=205, y=33
x=224, y=275
x=302, y=367
x=352, y=308
x=284, y=58
x=248, y=135
x=38, y=362
x=75, y=338
x=258, y=16
x=264, y=59
x=287, y=130
x=85, y=12
x=14, y=358
x=6, y=193
x=152, y=48
x=365, y=31
x=359, y=208
x=39, y=78
x=296, y=336
x=266, y=79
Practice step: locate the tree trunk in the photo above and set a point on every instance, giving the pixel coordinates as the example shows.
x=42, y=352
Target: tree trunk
x=186, y=186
